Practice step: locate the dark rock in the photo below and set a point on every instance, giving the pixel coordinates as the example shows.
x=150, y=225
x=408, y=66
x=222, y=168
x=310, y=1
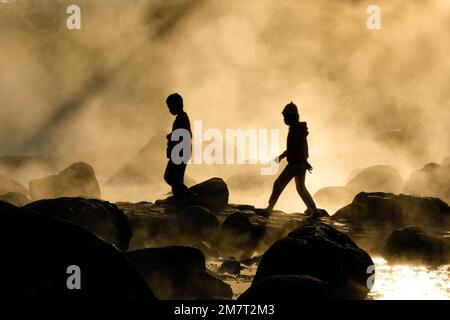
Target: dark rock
x=178, y=273
x=231, y=266
x=152, y=230
x=197, y=223
x=432, y=180
x=6, y=206
x=237, y=236
x=204, y=286
x=320, y=213
x=100, y=217
x=386, y=211
x=38, y=249
x=207, y=250
x=78, y=180
x=412, y=245
x=7, y=185
x=251, y=261
x=306, y=219
x=289, y=287
x=322, y=252
x=213, y=193
x=15, y=198
x=237, y=223
x=244, y=207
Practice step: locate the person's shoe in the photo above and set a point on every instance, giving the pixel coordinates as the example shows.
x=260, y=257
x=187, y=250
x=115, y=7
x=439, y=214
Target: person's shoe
x=267, y=212
x=312, y=214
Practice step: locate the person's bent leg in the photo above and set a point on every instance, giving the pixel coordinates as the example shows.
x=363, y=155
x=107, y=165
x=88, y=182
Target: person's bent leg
x=302, y=190
x=280, y=183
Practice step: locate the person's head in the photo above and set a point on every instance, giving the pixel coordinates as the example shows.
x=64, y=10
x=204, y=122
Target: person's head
x=174, y=103
x=290, y=114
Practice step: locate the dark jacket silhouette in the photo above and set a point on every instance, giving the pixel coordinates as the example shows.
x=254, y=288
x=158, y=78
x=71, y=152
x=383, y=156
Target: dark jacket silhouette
x=297, y=143
x=181, y=122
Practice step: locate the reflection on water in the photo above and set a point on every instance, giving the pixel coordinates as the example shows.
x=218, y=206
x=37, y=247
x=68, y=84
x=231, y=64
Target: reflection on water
x=405, y=282
x=394, y=282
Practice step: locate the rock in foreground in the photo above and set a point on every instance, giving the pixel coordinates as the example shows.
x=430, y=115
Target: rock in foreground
x=178, y=273
x=78, y=180
x=104, y=219
x=320, y=251
x=38, y=249
x=289, y=287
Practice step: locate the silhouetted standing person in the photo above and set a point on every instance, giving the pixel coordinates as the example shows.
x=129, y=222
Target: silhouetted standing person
x=174, y=174
x=297, y=158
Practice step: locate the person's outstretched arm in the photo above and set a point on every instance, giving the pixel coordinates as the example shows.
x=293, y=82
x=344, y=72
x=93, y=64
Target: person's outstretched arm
x=281, y=156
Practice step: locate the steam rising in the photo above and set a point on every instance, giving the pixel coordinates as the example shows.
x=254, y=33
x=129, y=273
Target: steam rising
x=369, y=97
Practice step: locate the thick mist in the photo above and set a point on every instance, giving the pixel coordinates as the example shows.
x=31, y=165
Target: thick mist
x=98, y=94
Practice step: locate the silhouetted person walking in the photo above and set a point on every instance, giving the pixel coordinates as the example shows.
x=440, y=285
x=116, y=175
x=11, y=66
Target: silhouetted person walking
x=174, y=174
x=297, y=158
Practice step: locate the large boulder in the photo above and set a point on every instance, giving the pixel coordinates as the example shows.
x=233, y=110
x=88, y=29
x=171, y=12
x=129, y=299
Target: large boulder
x=213, y=193
x=386, y=211
x=289, y=287
x=104, y=219
x=237, y=236
x=7, y=185
x=178, y=273
x=15, y=198
x=78, y=180
x=196, y=224
x=412, y=245
x=320, y=251
x=39, y=249
x=432, y=180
